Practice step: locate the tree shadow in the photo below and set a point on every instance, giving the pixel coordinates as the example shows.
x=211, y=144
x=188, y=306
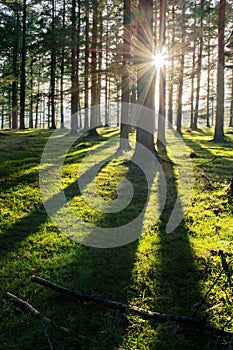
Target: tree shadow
x=178, y=276
x=169, y=284
x=104, y=272
x=206, y=159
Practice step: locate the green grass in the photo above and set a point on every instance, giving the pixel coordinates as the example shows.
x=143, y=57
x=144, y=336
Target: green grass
x=161, y=272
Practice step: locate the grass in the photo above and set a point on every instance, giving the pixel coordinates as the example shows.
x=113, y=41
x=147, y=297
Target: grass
x=161, y=272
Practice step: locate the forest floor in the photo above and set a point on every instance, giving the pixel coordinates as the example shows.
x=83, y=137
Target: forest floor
x=187, y=272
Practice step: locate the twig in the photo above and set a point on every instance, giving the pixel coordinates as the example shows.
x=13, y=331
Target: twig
x=37, y=208
x=209, y=290
x=28, y=307
x=213, y=307
x=46, y=335
x=123, y=307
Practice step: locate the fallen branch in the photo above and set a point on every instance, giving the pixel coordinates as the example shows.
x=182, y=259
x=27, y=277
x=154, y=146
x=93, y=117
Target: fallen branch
x=46, y=335
x=156, y=316
x=28, y=307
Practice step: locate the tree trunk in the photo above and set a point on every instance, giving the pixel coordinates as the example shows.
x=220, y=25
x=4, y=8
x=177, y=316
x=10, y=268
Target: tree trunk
x=86, y=69
x=106, y=76
x=181, y=74
x=23, y=69
x=62, y=70
x=15, y=74
x=171, y=78
x=231, y=109
x=53, y=71
x=74, y=82
x=94, y=97
x=199, y=67
x=125, y=87
x=31, y=95
x=208, y=89
x=145, y=71
x=161, y=141
x=193, y=72
x=99, y=75
x=219, y=122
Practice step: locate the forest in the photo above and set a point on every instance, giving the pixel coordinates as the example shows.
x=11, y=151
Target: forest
x=116, y=177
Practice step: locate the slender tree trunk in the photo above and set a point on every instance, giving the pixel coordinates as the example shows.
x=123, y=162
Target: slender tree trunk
x=62, y=70
x=74, y=82
x=231, y=108
x=125, y=87
x=78, y=63
x=31, y=96
x=208, y=90
x=86, y=69
x=2, y=117
x=15, y=74
x=219, y=123
x=53, y=71
x=145, y=75
x=199, y=67
x=23, y=69
x=106, y=76
x=161, y=141
x=94, y=97
x=171, y=78
x=181, y=73
x=192, y=84
x=99, y=75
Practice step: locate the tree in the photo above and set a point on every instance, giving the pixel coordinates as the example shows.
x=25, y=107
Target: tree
x=86, y=66
x=23, y=69
x=125, y=80
x=53, y=69
x=94, y=96
x=181, y=70
x=145, y=70
x=74, y=80
x=171, y=75
x=199, y=66
x=161, y=141
x=219, y=121
x=231, y=108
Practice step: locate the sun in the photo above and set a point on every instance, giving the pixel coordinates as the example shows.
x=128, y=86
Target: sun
x=159, y=59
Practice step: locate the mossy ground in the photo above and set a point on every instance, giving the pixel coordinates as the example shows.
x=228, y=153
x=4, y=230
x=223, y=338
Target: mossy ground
x=161, y=272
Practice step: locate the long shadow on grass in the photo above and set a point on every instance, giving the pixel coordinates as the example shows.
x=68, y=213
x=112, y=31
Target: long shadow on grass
x=32, y=221
x=170, y=285
x=206, y=160
x=178, y=280
x=105, y=272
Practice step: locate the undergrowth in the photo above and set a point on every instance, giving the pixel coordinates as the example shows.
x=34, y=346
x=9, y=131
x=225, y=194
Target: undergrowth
x=187, y=272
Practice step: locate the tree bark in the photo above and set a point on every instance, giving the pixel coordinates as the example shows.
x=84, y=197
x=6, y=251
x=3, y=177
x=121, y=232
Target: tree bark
x=219, y=122
x=53, y=71
x=86, y=69
x=15, y=73
x=199, y=67
x=193, y=71
x=23, y=69
x=94, y=96
x=171, y=78
x=74, y=82
x=125, y=79
x=145, y=71
x=161, y=141
x=181, y=72
x=231, y=108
